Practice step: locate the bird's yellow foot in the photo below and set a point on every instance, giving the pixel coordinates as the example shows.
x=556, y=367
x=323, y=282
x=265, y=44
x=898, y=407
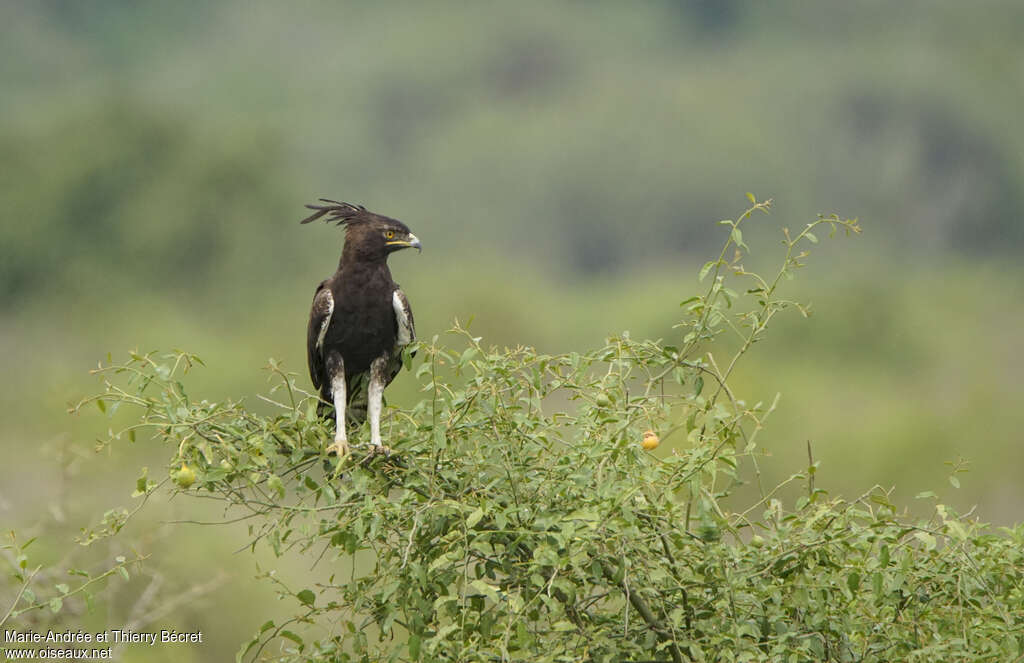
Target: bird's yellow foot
x=340, y=447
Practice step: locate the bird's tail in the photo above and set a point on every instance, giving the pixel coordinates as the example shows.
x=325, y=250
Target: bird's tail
x=355, y=411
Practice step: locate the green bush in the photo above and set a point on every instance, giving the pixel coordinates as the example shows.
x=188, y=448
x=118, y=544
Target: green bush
x=521, y=518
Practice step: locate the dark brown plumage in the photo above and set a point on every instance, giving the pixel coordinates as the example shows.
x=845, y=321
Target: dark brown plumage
x=360, y=319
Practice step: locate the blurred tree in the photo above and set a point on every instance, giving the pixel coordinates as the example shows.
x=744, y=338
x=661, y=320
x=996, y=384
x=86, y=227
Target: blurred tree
x=123, y=196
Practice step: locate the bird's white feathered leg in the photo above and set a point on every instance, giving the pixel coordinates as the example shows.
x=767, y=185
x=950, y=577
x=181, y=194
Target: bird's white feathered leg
x=375, y=398
x=336, y=369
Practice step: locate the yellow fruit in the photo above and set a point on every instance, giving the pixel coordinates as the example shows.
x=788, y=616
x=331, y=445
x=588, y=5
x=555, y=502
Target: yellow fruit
x=185, y=477
x=650, y=441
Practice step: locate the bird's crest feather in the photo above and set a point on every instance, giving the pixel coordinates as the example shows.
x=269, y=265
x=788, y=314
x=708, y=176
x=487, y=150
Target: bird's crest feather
x=338, y=212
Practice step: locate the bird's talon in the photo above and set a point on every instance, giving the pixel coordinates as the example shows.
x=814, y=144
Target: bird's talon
x=381, y=450
x=340, y=447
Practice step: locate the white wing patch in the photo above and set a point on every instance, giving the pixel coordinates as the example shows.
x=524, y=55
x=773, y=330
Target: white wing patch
x=327, y=319
x=404, y=326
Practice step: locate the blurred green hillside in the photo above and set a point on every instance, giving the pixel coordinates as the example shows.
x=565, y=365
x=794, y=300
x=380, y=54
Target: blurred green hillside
x=564, y=165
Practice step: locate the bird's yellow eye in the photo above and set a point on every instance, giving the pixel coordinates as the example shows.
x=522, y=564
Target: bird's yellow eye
x=388, y=234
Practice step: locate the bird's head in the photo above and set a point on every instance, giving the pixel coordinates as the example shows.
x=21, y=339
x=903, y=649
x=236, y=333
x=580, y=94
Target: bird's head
x=368, y=236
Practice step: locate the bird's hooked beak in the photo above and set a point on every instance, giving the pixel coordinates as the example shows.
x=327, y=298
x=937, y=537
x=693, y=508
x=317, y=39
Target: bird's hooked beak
x=412, y=241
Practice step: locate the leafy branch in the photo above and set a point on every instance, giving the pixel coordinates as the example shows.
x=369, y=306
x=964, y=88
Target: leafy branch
x=527, y=516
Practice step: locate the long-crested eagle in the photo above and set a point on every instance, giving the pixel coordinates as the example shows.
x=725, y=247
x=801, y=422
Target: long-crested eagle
x=360, y=320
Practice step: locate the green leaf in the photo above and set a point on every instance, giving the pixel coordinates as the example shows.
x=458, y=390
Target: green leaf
x=753, y=198
x=705, y=269
x=443, y=633
x=142, y=483
x=473, y=518
x=487, y=590
x=882, y=500
x=957, y=529
x=275, y=484
x=927, y=539
x=444, y=559
x=953, y=481
x=244, y=649
x=56, y=604
x=291, y=636
x=698, y=385
x=876, y=584
x=468, y=355
x=328, y=492
x=103, y=408
x=306, y=597
x=810, y=236
x=689, y=300
x=414, y=647
x=586, y=515
x=679, y=373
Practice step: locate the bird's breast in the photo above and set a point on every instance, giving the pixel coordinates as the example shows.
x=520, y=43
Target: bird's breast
x=362, y=329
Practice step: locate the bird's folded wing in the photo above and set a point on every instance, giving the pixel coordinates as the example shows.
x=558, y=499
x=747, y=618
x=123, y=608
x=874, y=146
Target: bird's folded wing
x=319, y=321
x=406, y=329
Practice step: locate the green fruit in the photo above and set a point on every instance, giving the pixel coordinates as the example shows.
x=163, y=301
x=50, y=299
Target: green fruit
x=602, y=400
x=185, y=477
